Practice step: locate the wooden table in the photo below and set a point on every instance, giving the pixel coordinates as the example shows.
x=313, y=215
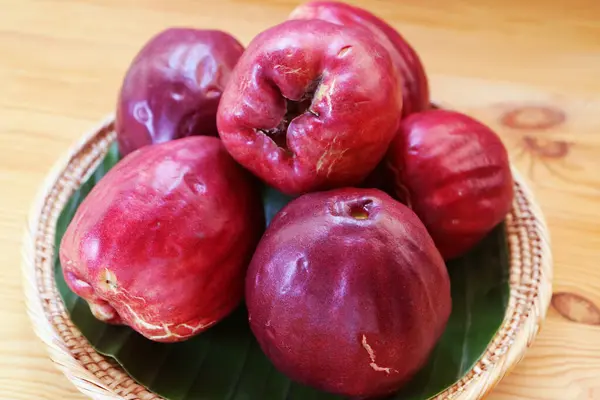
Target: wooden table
x=530, y=69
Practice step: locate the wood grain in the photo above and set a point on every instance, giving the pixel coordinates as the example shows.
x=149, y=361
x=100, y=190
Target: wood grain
x=516, y=68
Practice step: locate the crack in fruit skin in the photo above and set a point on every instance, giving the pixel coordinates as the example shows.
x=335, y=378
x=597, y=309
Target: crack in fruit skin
x=327, y=157
x=105, y=311
x=165, y=329
x=326, y=91
x=371, y=353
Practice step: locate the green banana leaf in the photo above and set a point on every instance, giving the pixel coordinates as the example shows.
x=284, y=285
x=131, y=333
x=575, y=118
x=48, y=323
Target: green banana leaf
x=226, y=363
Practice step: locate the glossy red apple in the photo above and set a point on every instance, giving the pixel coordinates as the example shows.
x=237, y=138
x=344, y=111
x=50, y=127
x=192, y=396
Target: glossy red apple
x=163, y=241
x=311, y=105
x=454, y=172
x=173, y=87
x=347, y=292
x=415, y=89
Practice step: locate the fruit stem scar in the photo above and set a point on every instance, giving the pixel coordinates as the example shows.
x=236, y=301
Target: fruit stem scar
x=293, y=109
x=371, y=353
x=109, y=279
x=360, y=209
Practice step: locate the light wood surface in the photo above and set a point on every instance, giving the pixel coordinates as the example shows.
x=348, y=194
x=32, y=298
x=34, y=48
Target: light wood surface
x=530, y=69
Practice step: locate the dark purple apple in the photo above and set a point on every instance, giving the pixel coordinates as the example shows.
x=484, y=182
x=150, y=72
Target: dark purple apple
x=173, y=87
x=347, y=292
x=454, y=172
x=311, y=105
x=163, y=241
x=415, y=88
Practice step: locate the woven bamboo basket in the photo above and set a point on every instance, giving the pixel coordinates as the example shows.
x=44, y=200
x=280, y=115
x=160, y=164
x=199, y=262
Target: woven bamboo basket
x=102, y=378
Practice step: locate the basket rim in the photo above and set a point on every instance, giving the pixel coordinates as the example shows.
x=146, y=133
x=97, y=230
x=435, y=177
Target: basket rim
x=523, y=318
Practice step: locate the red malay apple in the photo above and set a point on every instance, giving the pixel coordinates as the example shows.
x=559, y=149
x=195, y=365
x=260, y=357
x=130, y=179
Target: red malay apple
x=415, y=89
x=163, y=241
x=454, y=172
x=347, y=292
x=311, y=105
x=173, y=87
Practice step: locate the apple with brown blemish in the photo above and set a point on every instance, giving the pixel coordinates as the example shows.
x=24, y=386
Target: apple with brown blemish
x=347, y=292
x=311, y=105
x=163, y=241
x=415, y=86
x=173, y=87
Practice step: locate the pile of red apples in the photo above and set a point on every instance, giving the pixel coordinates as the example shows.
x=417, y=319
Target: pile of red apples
x=347, y=289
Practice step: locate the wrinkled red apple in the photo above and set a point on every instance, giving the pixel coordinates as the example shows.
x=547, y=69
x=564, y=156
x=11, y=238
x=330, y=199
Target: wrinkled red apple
x=454, y=172
x=173, y=87
x=415, y=88
x=347, y=292
x=163, y=241
x=311, y=105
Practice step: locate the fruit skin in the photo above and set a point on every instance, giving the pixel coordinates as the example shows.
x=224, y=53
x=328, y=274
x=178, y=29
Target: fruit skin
x=163, y=241
x=337, y=89
x=415, y=88
x=454, y=172
x=348, y=305
x=173, y=86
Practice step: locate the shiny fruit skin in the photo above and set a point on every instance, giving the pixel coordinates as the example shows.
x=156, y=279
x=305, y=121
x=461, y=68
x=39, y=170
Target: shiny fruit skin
x=454, y=172
x=173, y=87
x=311, y=105
x=347, y=292
x=415, y=86
x=163, y=241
